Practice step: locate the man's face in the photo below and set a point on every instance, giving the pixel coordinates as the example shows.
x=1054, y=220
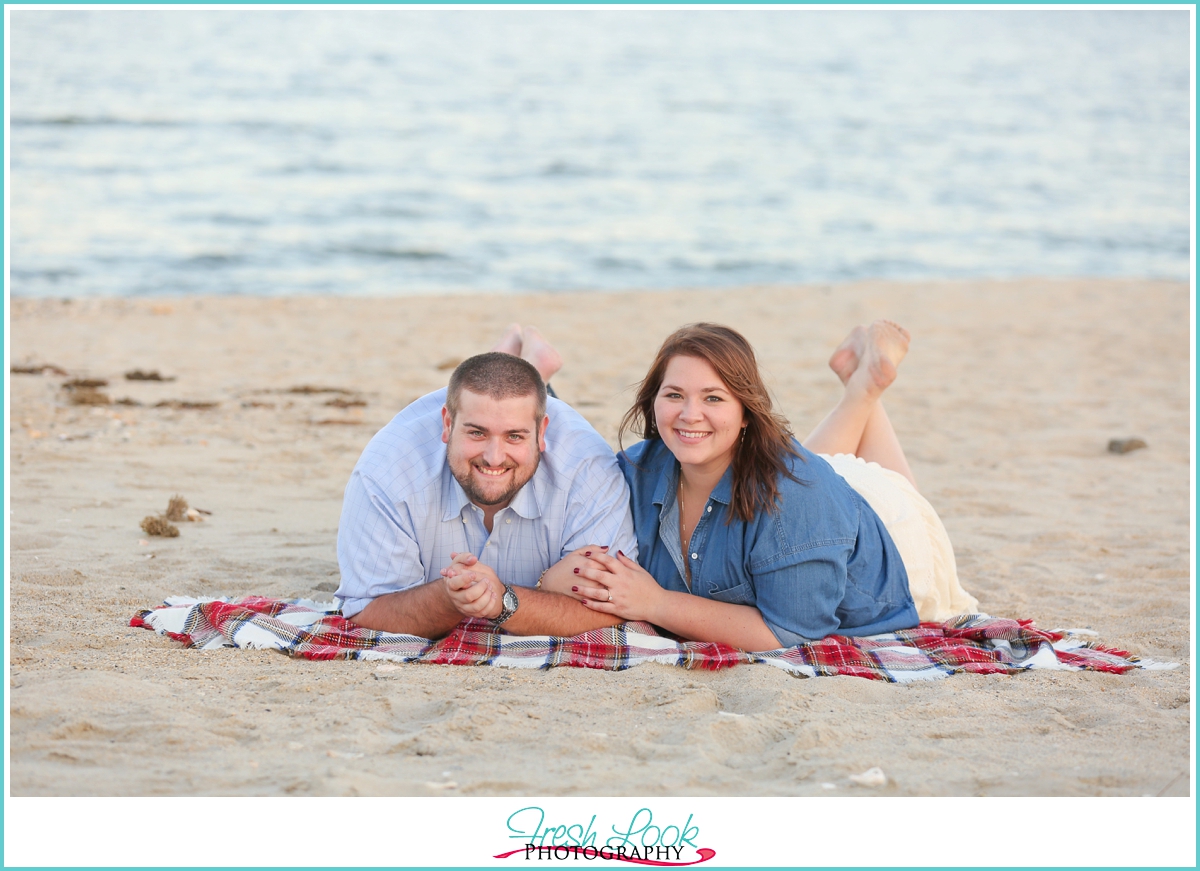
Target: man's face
x=493, y=446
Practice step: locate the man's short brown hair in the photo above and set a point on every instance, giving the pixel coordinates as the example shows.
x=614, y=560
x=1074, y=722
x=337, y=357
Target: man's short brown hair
x=499, y=376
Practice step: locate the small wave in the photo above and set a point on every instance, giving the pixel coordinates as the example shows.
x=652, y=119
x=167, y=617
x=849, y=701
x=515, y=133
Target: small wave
x=316, y=167
x=238, y=220
x=97, y=121
x=212, y=261
x=1168, y=243
x=52, y=275
x=563, y=169
x=619, y=264
x=385, y=252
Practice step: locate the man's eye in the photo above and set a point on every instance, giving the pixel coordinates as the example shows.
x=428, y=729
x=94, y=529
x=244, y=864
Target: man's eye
x=516, y=437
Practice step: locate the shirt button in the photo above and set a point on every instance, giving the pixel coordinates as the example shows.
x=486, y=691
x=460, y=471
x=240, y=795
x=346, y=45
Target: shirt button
x=695, y=556
x=464, y=520
x=508, y=520
x=710, y=508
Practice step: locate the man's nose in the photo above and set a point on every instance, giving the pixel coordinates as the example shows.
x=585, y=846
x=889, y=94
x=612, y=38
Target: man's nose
x=493, y=452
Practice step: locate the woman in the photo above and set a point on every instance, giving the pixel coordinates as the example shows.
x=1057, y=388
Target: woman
x=749, y=538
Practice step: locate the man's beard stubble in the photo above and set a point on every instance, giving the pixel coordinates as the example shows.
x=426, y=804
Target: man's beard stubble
x=481, y=499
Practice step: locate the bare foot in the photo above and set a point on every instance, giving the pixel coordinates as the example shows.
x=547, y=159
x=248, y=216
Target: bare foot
x=510, y=342
x=886, y=345
x=846, y=355
x=536, y=350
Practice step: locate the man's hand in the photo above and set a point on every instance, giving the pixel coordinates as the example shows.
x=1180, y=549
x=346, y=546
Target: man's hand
x=474, y=589
x=472, y=595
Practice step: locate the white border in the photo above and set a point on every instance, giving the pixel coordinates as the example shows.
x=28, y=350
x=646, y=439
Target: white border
x=468, y=832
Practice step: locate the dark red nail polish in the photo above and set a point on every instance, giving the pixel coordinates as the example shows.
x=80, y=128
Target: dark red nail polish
x=576, y=571
x=574, y=589
x=587, y=553
x=605, y=547
x=620, y=554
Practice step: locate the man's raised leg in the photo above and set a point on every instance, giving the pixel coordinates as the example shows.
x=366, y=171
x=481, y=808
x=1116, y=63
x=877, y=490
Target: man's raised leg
x=538, y=352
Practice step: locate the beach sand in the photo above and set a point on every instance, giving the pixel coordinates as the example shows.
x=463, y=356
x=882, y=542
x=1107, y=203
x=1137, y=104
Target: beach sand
x=1006, y=404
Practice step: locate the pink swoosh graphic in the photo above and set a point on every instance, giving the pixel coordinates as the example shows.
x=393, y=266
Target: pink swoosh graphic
x=705, y=855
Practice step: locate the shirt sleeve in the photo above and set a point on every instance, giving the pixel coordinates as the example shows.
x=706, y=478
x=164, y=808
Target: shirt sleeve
x=799, y=597
x=377, y=550
x=598, y=509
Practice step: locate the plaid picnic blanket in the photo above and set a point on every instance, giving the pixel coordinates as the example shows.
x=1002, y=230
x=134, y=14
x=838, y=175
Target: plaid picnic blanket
x=973, y=643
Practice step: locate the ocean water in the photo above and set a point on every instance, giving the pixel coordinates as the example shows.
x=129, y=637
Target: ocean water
x=385, y=152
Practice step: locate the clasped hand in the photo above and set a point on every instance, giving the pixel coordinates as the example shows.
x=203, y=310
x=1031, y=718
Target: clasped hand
x=472, y=587
x=619, y=586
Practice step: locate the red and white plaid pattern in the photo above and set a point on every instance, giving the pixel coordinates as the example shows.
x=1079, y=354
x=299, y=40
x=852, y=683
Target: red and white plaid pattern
x=972, y=643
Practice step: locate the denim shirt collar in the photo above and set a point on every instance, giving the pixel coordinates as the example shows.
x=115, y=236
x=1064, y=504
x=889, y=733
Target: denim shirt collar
x=668, y=486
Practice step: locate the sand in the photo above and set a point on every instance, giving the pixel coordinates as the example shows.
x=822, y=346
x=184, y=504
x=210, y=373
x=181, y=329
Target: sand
x=1006, y=403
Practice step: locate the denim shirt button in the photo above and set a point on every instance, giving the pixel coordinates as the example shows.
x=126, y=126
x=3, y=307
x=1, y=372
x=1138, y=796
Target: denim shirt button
x=695, y=556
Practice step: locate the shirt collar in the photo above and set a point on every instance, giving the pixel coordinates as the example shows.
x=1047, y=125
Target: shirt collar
x=454, y=498
x=668, y=484
x=529, y=499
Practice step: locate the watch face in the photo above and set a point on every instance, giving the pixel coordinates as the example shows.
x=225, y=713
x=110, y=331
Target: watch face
x=510, y=601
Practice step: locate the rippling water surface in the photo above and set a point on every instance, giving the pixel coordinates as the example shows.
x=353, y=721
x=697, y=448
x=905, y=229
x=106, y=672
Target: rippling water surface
x=396, y=151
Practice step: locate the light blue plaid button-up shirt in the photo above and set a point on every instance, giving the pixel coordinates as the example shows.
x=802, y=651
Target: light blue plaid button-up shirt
x=404, y=513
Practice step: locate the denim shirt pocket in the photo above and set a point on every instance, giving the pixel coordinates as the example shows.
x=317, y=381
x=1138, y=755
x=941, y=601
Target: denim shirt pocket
x=739, y=594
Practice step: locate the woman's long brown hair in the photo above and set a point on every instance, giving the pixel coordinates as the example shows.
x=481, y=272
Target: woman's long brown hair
x=761, y=456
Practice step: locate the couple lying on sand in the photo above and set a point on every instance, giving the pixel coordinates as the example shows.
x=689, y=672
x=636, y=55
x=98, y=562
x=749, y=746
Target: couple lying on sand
x=490, y=500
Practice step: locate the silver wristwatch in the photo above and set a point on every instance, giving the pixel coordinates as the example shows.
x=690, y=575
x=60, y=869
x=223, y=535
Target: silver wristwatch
x=508, y=606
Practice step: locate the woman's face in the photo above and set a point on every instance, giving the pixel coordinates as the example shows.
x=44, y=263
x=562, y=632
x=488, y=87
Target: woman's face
x=698, y=418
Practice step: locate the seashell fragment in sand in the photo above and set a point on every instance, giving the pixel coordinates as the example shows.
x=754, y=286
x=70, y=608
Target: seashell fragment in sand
x=872, y=777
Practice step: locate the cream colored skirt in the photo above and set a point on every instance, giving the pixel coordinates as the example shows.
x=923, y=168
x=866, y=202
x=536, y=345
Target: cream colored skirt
x=919, y=535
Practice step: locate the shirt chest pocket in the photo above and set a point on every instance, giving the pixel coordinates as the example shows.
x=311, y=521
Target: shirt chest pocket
x=740, y=594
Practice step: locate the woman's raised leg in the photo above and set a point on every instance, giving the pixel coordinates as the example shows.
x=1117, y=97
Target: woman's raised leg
x=866, y=363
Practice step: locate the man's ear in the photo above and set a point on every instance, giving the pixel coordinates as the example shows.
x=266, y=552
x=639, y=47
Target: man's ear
x=447, y=425
x=542, y=433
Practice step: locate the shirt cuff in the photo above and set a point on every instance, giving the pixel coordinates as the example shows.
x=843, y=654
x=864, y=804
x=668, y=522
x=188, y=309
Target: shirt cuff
x=350, y=607
x=786, y=637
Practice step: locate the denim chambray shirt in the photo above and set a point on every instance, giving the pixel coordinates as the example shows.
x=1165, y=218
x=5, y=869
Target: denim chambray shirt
x=820, y=564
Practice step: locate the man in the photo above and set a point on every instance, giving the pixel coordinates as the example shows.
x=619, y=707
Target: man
x=473, y=495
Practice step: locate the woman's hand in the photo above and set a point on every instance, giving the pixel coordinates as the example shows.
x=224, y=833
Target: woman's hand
x=561, y=577
x=619, y=586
